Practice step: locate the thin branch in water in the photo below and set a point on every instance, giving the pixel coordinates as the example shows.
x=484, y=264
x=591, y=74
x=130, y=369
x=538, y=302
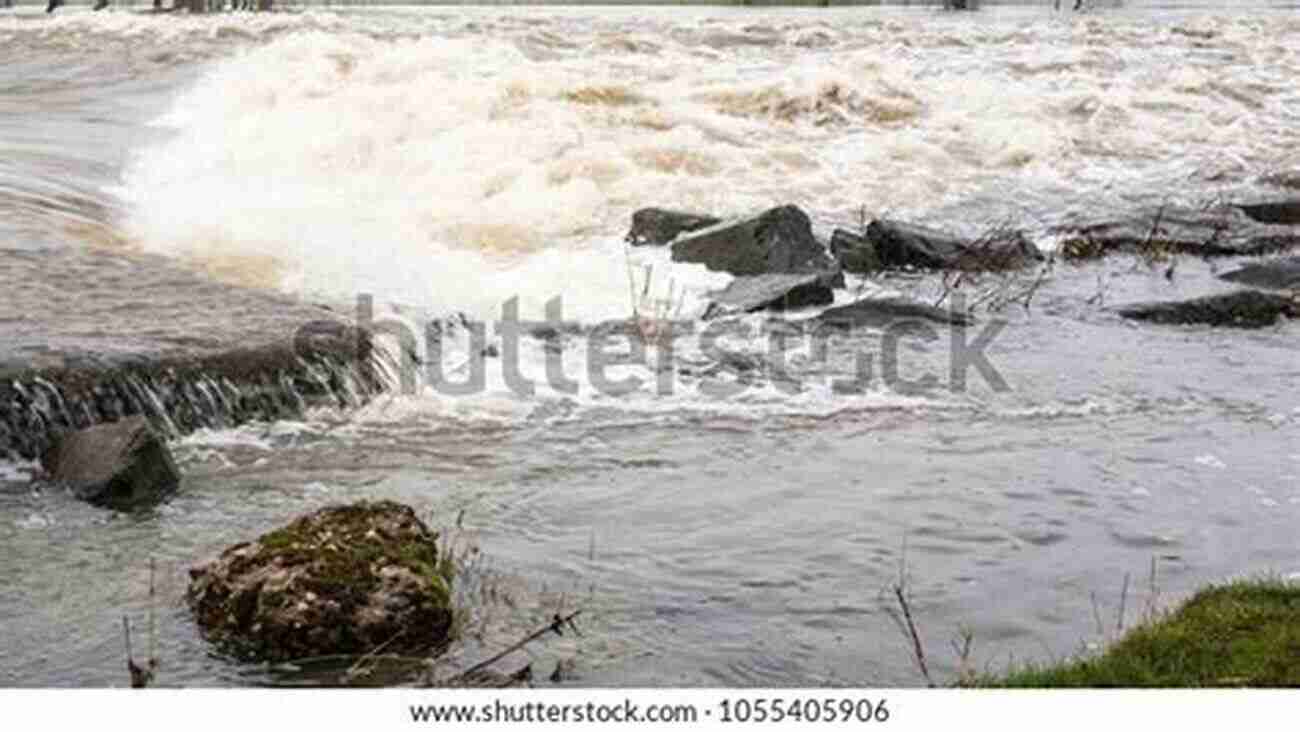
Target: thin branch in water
x=917, y=649
x=962, y=645
x=1096, y=614
x=153, y=635
x=1123, y=602
x=1042, y=277
x=355, y=669
x=1100, y=297
x=126, y=632
x=1153, y=591
x=557, y=626
x=906, y=623
x=631, y=282
x=141, y=676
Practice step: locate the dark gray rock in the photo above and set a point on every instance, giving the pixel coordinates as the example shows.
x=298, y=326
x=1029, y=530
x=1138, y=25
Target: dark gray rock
x=121, y=465
x=657, y=226
x=1239, y=309
x=854, y=252
x=1273, y=212
x=877, y=312
x=778, y=240
x=1276, y=274
x=1220, y=232
x=898, y=244
x=775, y=292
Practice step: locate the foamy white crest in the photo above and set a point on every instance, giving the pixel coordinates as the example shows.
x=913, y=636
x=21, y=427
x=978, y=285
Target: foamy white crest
x=450, y=174
x=451, y=167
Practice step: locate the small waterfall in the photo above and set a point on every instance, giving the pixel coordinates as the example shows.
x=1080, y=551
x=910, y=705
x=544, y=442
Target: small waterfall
x=180, y=395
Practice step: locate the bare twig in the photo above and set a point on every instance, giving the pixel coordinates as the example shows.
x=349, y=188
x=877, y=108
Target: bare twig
x=1153, y=592
x=631, y=283
x=962, y=644
x=355, y=668
x=1096, y=614
x=1100, y=297
x=906, y=623
x=917, y=649
x=153, y=635
x=1042, y=277
x=1123, y=602
x=141, y=676
x=557, y=626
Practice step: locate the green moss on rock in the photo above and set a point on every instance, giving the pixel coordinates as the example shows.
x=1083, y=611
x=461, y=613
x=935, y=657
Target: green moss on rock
x=342, y=580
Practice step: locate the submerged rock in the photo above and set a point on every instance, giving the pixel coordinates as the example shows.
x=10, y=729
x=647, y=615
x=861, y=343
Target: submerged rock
x=1220, y=232
x=899, y=244
x=658, y=226
x=854, y=253
x=775, y=292
x=883, y=311
x=1277, y=274
x=121, y=465
x=343, y=580
x=779, y=240
x=1240, y=309
x=1273, y=212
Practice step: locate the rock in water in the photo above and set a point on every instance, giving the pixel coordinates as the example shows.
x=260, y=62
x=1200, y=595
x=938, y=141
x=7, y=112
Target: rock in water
x=776, y=292
x=343, y=580
x=854, y=252
x=120, y=465
x=1240, y=309
x=1218, y=232
x=1273, y=212
x=882, y=311
x=1276, y=274
x=657, y=226
x=776, y=241
x=899, y=244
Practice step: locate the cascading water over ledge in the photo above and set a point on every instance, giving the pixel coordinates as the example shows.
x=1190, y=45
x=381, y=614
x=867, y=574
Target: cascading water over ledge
x=326, y=364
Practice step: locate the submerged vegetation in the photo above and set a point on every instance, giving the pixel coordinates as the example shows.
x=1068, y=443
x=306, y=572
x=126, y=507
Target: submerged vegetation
x=1243, y=633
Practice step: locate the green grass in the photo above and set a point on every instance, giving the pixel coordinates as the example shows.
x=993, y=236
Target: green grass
x=1245, y=633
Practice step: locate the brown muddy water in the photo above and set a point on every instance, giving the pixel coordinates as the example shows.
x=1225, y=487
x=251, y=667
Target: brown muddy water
x=176, y=183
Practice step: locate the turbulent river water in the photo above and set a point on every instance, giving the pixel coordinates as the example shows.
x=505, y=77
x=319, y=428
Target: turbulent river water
x=449, y=159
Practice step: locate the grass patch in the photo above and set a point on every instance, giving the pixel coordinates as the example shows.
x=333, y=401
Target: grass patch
x=1244, y=633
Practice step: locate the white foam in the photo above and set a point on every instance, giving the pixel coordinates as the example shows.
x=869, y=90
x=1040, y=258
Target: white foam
x=448, y=168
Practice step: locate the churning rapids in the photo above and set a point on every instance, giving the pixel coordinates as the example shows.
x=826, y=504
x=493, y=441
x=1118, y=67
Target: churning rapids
x=445, y=160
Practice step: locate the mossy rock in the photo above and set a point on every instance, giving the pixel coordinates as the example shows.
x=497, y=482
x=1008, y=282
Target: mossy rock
x=343, y=580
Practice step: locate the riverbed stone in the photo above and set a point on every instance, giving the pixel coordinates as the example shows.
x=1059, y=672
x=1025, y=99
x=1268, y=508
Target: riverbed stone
x=1273, y=212
x=884, y=311
x=122, y=465
x=898, y=244
x=1276, y=274
x=775, y=292
x=346, y=579
x=779, y=240
x=1238, y=309
x=659, y=226
x=854, y=252
x=1223, y=231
